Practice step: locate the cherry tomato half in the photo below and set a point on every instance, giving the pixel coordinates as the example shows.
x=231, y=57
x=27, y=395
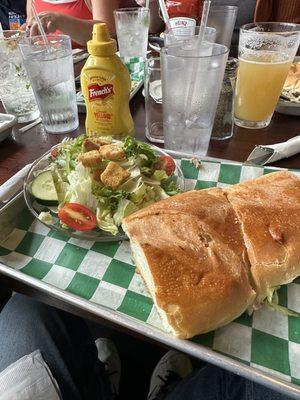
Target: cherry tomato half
x=54, y=152
x=167, y=164
x=77, y=216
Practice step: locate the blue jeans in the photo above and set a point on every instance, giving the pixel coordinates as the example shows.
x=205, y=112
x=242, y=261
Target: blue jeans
x=212, y=383
x=70, y=352
x=64, y=341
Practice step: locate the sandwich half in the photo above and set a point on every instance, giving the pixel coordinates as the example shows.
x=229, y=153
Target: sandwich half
x=191, y=254
x=268, y=209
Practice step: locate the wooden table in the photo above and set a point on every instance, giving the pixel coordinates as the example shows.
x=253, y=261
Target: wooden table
x=22, y=148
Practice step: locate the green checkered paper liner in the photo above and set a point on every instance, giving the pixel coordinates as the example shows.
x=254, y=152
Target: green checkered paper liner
x=135, y=66
x=103, y=273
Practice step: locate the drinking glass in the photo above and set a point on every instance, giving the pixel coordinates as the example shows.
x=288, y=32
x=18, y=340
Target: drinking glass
x=191, y=85
x=15, y=89
x=51, y=72
x=222, y=18
x=224, y=120
x=184, y=33
x=132, y=26
x=266, y=51
x=153, y=101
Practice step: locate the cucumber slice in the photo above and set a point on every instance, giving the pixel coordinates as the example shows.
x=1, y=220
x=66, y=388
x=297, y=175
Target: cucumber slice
x=43, y=188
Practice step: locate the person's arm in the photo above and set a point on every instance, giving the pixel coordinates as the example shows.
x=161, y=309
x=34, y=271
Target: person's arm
x=80, y=30
x=29, y=10
x=103, y=10
x=28, y=21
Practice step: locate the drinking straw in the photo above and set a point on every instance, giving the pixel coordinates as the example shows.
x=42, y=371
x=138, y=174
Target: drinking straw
x=203, y=23
x=147, y=4
x=164, y=14
x=41, y=29
x=1, y=32
x=191, y=84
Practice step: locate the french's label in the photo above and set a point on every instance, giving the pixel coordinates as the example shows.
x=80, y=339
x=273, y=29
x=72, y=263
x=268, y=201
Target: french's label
x=101, y=92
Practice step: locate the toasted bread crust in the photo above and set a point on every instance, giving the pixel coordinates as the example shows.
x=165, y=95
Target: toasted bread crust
x=268, y=209
x=206, y=254
x=195, y=252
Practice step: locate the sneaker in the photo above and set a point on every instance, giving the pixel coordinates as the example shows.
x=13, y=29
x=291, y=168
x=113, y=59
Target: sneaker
x=109, y=356
x=170, y=370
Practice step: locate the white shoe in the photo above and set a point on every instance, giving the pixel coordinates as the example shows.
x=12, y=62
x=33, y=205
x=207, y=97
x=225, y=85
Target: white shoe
x=170, y=370
x=109, y=356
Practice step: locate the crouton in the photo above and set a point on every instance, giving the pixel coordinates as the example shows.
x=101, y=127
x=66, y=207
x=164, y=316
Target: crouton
x=94, y=143
x=97, y=174
x=114, y=175
x=100, y=141
x=89, y=145
x=90, y=159
x=112, y=152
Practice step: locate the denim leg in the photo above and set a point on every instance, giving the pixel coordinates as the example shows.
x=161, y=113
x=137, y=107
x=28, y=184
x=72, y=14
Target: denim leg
x=64, y=341
x=212, y=383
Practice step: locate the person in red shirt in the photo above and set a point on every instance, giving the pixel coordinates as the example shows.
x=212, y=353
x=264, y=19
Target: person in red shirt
x=74, y=17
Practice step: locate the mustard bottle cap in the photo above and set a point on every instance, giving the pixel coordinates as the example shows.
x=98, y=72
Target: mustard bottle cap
x=101, y=44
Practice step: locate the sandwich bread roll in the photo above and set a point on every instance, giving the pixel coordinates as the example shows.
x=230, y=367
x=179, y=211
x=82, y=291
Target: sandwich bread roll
x=209, y=255
x=190, y=251
x=268, y=209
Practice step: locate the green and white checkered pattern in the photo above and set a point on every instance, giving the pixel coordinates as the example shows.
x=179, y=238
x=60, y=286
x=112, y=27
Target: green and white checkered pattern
x=103, y=273
x=135, y=66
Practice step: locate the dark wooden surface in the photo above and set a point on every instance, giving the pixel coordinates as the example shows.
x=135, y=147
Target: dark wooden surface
x=22, y=148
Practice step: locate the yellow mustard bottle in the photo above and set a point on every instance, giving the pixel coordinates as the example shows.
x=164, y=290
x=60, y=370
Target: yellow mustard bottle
x=106, y=84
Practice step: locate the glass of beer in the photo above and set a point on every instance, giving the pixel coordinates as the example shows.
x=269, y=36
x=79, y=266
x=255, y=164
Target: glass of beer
x=266, y=51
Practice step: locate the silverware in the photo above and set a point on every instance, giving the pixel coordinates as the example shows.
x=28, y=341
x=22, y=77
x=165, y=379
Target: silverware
x=31, y=125
x=262, y=158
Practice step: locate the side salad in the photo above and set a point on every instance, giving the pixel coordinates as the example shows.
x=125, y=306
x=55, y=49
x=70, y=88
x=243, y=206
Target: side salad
x=97, y=182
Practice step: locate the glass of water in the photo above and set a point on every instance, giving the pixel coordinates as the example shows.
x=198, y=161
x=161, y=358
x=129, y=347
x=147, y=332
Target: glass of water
x=15, y=88
x=132, y=26
x=51, y=73
x=153, y=101
x=191, y=85
x=184, y=34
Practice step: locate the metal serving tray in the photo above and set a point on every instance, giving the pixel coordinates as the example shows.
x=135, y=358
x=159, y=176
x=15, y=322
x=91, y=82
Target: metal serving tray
x=9, y=214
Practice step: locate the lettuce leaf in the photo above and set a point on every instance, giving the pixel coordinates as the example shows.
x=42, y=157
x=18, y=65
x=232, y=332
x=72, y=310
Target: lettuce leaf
x=272, y=302
x=283, y=310
x=159, y=175
x=169, y=186
x=142, y=194
x=108, y=197
x=105, y=220
x=68, y=153
x=125, y=208
x=61, y=186
x=80, y=188
x=133, y=147
x=160, y=194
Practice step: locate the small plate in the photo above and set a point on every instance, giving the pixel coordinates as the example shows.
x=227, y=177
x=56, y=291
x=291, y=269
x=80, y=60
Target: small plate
x=7, y=121
x=96, y=235
x=288, y=107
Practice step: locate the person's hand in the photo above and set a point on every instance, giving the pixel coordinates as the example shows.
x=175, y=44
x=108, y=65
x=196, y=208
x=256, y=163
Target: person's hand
x=27, y=25
x=23, y=27
x=142, y=3
x=49, y=21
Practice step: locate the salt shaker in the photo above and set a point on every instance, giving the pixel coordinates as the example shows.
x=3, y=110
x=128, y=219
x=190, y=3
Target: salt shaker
x=223, y=124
